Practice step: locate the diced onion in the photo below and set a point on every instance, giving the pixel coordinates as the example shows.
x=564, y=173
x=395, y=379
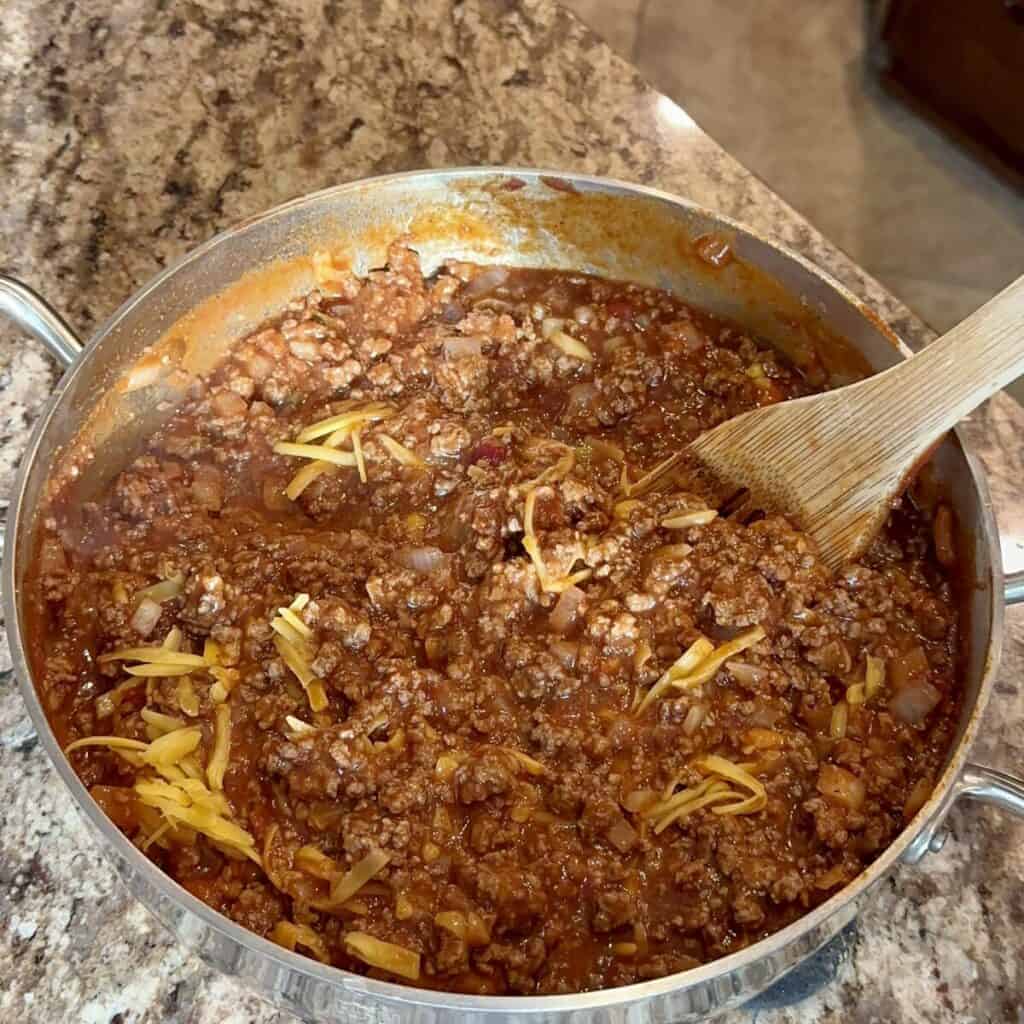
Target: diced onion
x=107, y=703
x=746, y=674
x=915, y=701
x=485, y=281
x=581, y=395
x=841, y=786
x=571, y=347
x=694, y=718
x=698, y=517
x=457, y=347
x=145, y=616
x=549, y=325
x=640, y=800
x=840, y=716
x=874, y=676
x=621, y=835
x=563, y=615
x=145, y=373
x=299, y=727
x=424, y=560
x=567, y=652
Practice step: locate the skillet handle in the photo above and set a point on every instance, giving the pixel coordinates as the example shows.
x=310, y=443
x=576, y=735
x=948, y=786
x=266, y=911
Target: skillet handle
x=22, y=306
x=1013, y=585
x=986, y=785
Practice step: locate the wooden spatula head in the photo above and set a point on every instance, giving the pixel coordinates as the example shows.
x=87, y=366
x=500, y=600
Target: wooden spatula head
x=835, y=462
x=799, y=459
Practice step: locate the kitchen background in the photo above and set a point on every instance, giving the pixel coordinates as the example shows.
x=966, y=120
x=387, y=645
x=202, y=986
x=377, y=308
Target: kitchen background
x=788, y=87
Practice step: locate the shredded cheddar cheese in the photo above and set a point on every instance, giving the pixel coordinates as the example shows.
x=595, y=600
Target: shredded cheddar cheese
x=681, y=667
x=179, y=795
x=326, y=456
x=164, y=590
x=344, y=887
x=357, y=451
x=548, y=583
x=400, y=453
x=292, y=645
x=289, y=935
x=351, y=419
x=707, y=669
x=320, y=452
x=387, y=956
x=728, y=789
x=558, y=471
x=159, y=724
x=153, y=656
x=218, y=763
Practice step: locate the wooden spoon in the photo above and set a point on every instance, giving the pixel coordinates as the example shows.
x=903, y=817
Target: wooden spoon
x=834, y=462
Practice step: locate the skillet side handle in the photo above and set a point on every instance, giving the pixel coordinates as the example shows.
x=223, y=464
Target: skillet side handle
x=993, y=787
x=33, y=314
x=976, y=782
x=22, y=306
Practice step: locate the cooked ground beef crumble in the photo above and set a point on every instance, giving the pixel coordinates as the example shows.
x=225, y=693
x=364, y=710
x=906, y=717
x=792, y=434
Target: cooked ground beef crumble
x=519, y=713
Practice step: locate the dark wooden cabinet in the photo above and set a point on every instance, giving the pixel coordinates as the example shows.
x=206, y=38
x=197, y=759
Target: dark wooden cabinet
x=963, y=62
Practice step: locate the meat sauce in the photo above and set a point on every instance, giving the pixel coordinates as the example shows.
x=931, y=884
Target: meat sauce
x=525, y=710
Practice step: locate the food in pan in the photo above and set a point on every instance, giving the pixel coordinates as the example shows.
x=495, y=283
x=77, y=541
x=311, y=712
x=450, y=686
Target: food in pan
x=414, y=642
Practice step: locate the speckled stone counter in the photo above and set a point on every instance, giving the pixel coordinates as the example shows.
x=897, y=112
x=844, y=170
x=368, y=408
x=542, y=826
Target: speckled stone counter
x=131, y=131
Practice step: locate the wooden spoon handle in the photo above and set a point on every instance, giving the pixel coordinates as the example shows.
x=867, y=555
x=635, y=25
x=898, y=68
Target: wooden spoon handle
x=925, y=396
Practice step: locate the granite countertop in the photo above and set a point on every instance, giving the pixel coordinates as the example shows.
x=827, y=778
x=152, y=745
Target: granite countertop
x=129, y=136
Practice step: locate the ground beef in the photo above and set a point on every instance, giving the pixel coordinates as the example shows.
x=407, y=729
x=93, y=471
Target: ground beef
x=482, y=618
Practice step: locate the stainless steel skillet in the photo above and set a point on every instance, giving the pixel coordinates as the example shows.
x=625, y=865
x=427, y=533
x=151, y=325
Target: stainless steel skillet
x=127, y=378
